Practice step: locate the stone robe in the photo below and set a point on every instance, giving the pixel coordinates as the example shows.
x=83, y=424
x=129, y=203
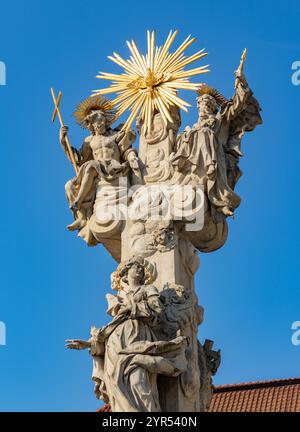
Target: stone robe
x=127, y=355
x=211, y=148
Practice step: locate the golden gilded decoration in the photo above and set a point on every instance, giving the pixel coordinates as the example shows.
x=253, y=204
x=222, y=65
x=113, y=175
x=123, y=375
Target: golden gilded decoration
x=150, y=83
x=205, y=89
x=115, y=278
x=93, y=103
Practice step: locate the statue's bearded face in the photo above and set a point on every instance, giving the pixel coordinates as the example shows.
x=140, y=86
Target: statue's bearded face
x=99, y=125
x=207, y=105
x=96, y=123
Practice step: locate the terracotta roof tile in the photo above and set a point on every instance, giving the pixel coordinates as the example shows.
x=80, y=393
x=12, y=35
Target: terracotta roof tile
x=260, y=396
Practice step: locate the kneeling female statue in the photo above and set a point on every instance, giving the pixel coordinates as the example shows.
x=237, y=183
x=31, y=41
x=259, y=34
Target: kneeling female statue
x=127, y=354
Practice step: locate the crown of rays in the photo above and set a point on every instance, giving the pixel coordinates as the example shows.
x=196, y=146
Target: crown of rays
x=150, y=83
x=93, y=103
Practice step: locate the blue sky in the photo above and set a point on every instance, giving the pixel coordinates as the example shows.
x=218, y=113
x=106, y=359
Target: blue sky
x=52, y=284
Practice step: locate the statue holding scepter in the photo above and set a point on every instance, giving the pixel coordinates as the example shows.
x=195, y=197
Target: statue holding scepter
x=210, y=150
x=149, y=358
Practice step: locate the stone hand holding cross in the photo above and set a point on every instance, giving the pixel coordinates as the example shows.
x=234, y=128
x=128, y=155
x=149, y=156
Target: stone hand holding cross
x=57, y=112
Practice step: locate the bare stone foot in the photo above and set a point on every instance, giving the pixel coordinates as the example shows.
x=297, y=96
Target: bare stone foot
x=78, y=224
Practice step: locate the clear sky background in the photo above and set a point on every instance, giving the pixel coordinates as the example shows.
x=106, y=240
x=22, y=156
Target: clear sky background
x=52, y=284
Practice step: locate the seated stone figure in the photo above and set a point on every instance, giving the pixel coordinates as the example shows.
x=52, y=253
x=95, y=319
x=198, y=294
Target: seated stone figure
x=105, y=156
x=210, y=150
x=127, y=354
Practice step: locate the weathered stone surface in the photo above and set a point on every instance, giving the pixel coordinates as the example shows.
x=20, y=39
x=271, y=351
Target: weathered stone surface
x=148, y=357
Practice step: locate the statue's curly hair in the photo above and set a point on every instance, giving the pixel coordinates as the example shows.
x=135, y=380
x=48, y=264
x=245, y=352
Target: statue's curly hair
x=120, y=275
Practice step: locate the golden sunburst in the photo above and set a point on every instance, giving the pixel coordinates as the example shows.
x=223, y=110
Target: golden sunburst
x=93, y=103
x=151, y=82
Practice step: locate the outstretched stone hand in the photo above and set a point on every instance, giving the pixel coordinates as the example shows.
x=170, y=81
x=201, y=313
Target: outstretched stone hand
x=239, y=73
x=77, y=344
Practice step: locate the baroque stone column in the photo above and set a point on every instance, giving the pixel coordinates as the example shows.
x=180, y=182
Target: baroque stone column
x=175, y=195
x=162, y=240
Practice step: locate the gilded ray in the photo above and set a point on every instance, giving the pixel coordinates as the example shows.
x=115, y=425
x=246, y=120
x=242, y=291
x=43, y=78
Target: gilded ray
x=151, y=82
x=93, y=103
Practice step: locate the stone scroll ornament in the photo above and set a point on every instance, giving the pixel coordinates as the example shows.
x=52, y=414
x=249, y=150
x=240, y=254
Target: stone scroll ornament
x=154, y=209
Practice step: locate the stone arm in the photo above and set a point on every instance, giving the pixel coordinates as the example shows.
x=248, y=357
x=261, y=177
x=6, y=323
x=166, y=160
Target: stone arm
x=149, y=310
x=78, y=344
x=240, y=98
x=95, y=344
x=125, y=141
x=81, y=155
x=156, y=305
x=145, y=304
x=154, y=301
x=242, y=114
x=242, y=92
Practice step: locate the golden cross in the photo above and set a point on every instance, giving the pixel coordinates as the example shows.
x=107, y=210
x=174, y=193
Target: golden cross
x=58, y=113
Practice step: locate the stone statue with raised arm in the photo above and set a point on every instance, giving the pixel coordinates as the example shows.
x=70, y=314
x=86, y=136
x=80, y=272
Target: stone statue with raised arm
x=210, y=150
x=175, y=193
x=105, y=155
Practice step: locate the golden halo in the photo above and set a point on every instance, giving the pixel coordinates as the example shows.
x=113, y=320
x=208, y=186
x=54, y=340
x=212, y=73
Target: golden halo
x=205, y=89
x=94, y=103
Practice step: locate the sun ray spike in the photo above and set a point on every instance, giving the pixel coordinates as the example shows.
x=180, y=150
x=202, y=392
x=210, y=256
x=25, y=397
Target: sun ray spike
x=151, y=81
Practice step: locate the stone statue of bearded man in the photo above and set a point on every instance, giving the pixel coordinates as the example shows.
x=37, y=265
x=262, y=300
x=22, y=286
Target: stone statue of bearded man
x=105, y=156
